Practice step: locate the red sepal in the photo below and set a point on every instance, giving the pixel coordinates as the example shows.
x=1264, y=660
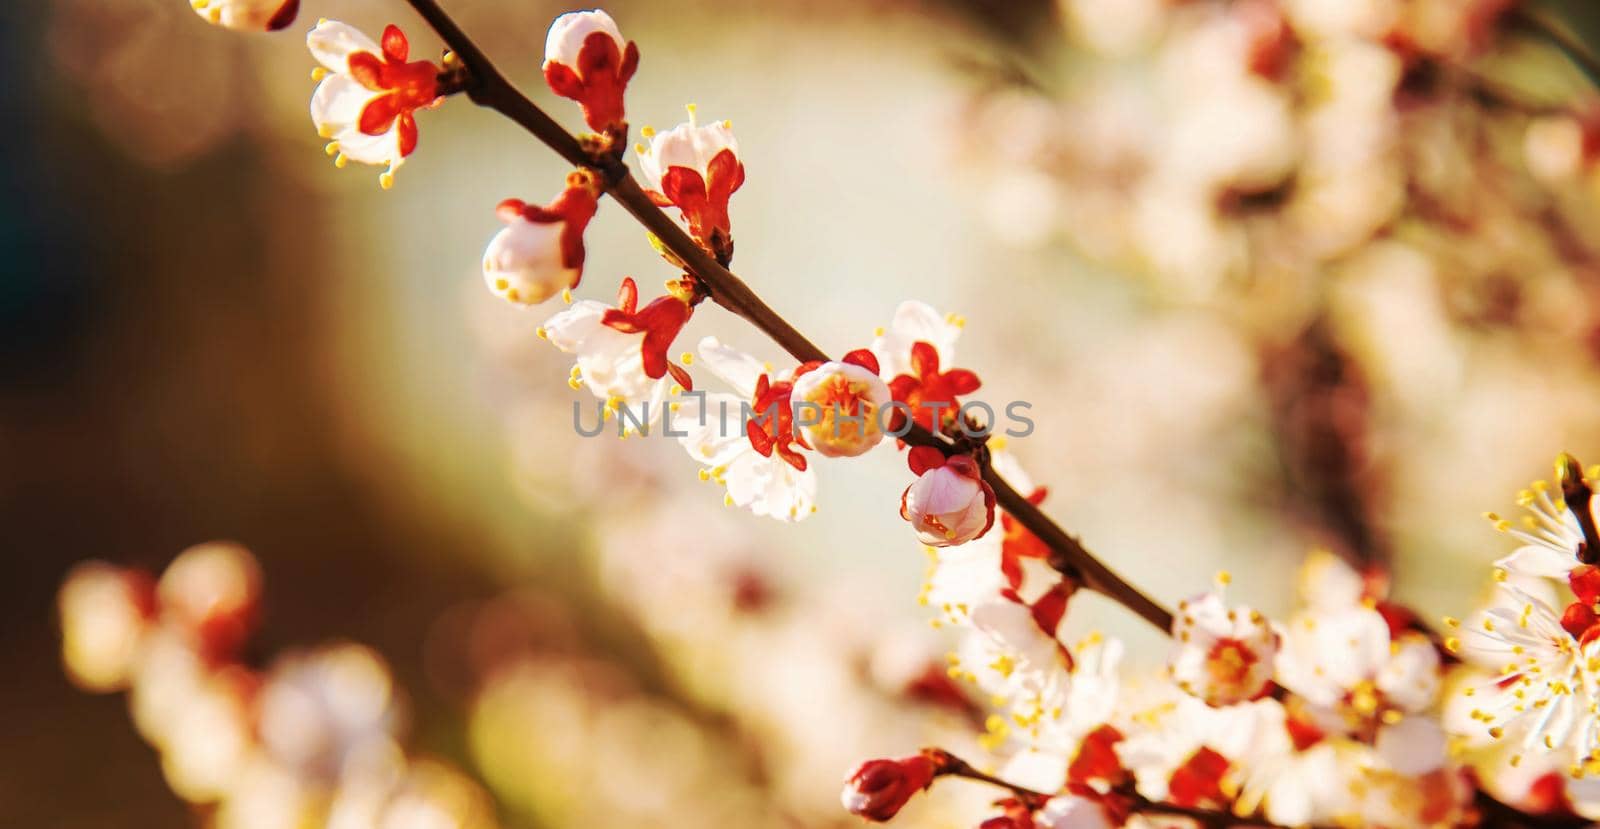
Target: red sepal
x=1015, y=815
x=283, y=16
x=1011, y=568
x=1050, y=608
x=628, y=295
x=1548, y=796
x=407, y=124
x=598, y=56
x=805, y=368
x=1585, y=583
x=1303, y=732
x=562, y=80
x=1020, y=542
x=395, y=46
x=1096, y=760
x=1199, y=780
x=793, y=458
x=510, y=210
x=379, y=114
x=630, y=62
x=1578, y=619
x=760, y=441
x=681, y=376
x=934, y=686
x=924, y=359
x=864, y=358
x=367, y=70
x=685, y=188
x=962, y=381
x=923, y=458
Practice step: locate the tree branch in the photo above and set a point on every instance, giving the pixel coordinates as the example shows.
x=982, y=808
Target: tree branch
x=489, y=88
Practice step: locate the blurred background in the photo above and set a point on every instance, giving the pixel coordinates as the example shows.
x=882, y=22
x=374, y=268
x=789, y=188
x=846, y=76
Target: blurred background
x=1274, y=276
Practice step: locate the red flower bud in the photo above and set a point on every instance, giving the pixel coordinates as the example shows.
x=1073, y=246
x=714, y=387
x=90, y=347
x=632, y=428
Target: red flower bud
x=880, y=788
x=587, y=59
x=213, y=592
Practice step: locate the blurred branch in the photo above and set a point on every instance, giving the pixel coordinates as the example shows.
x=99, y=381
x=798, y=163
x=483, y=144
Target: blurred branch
x=1321, y=411
x=1540, y=25
x=487, y=87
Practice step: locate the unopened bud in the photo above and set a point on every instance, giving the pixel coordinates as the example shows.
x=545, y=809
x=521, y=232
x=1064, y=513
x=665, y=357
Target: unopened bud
x=879, y=789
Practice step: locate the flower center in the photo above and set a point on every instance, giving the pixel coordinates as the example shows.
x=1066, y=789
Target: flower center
x=1229, y=663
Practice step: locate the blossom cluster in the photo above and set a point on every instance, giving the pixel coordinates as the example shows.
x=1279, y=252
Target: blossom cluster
x=1348, y=712
x=315, y=738
x=366, y=102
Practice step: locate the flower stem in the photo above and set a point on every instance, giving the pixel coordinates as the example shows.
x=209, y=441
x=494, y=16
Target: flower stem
x=950, y=765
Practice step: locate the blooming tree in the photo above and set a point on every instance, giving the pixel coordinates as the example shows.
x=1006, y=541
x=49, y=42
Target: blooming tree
x=1351, y=711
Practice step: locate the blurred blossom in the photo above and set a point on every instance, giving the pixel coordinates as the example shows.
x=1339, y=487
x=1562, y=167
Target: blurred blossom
x=1113, y=29
x=1274, y=169
x=642, y=761
x=105, y=615
x=213, y=593
x=122, y=49
x=314, y=740
x=1555, y=146
x=322, y=710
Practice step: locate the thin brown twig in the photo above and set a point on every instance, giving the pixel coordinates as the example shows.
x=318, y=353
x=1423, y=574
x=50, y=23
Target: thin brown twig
x=489, y=88
x=950, y=765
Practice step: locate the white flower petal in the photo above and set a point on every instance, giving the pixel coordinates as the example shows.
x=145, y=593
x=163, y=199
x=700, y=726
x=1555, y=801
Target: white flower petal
x=736, y=368
x=712, y=436
x=770, y=486
x=1538, y=560
x=687, y=145
x=1414, y=746
x=914, y=322
x=567, y=34
x=332, y=43
x=523, y=262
